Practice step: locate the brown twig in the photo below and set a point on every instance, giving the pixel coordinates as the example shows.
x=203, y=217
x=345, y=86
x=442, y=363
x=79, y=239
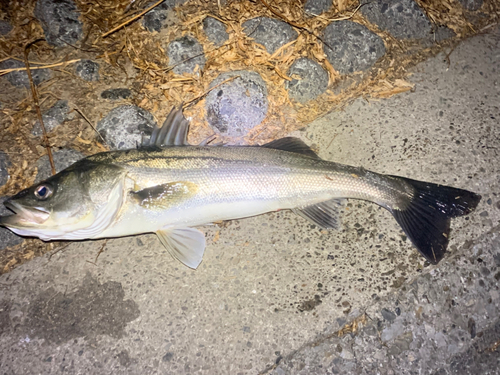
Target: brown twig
x=100, y=251
x=37, y=106
x=132, y=19
x=5, y=71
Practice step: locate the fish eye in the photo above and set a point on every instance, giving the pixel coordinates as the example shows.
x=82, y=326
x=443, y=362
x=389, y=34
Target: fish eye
x=43, y=191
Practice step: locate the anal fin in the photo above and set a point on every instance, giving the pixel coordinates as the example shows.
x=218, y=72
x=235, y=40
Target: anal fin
x=324, y=214
x=185, y=244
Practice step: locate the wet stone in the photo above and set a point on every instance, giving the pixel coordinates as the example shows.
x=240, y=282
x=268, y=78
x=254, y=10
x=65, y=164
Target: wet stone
x=20, y=78
x=53, y=117
x=311, y=82
x=237, y=106
x=269, y=32
x=124, y=126
x=116, y=94
x=184, y=54
x=471, y=4
x=215, y=30
x=5, y=27
x=402, y=18
x=87, y=70
x=351, y=47
x=62, y=159
x=60, y=23
x=4, y=165
x=7, y=238
x=316, y=7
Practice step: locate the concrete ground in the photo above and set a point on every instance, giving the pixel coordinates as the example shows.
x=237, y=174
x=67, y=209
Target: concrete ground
x=275, y=295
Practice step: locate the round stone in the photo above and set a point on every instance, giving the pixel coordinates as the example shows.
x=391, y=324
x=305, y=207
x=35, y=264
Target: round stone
x=312, y=80
x=60, y=23
x=351, y=47
x=269, y=32
x=215, y=30
x=62, y=159
x=87, y=70
x=237, y=106
x=124, y=126
x=184, y=54
x=402, y=18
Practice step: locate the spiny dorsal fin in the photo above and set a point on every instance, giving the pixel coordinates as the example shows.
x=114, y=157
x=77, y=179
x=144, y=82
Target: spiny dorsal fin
x=291, y=144
x=172, y=133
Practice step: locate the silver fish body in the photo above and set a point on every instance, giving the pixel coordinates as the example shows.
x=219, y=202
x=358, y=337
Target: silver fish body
x=169, y=189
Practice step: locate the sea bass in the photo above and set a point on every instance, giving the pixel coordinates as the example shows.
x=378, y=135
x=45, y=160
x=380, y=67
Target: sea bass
x=168, y=187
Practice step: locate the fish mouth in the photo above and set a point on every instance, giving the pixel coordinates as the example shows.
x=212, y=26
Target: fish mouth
x=23, y=216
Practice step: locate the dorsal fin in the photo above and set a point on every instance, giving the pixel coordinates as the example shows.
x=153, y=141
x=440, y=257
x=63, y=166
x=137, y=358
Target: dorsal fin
x=172, y=133
x=291, y=144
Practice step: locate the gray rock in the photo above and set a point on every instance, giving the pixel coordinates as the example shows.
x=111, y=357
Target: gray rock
x=4, y=165
x=158, y=17
x=402, y=18
x=215, y=30
x=7, y=238
x=238, y=105
x=124, y=126
x=317, y=7
x=184, y=54
x=5, y=27
x=116, y=94
x=20, y=78
x=87, y=70
x=53, y=117
x=388, y=315
x=59, y=19
x=443, y=33
x=351, y=47
x=313, y=80
x=471, y=4
x=269, y=32
x=62, y=159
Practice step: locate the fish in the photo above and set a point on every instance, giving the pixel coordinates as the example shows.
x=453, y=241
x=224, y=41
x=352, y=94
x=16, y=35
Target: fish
x=169, y=187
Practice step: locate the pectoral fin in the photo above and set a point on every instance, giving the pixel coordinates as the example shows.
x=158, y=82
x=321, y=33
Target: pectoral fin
x=185, y=244
x=163, y=196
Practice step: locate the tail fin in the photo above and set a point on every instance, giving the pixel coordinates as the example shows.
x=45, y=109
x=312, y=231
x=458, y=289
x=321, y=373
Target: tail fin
x=426, y=218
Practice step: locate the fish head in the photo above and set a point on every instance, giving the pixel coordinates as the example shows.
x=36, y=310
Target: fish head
x=68, y=205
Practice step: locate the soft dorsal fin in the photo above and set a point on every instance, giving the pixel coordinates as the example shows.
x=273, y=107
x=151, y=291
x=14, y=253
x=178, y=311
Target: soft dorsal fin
x=172, y=133
x=291, y=144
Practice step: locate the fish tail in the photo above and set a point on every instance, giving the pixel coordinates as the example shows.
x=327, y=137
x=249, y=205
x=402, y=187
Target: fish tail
x=426, y=216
